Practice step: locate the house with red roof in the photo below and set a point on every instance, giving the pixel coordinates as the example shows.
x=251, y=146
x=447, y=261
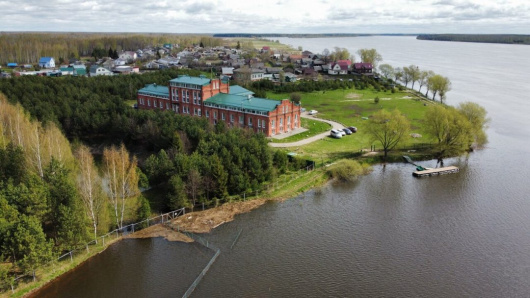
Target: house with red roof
x=363, y=68
x=338, y=68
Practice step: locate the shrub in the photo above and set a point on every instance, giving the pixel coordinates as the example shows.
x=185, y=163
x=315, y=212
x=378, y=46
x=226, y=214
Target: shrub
x=347, y=170
x=376, y=99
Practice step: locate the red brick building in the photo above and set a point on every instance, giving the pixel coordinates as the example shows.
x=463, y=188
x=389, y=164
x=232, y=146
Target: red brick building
x=215, y=100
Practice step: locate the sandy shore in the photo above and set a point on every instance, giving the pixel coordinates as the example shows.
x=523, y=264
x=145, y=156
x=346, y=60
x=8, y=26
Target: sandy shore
x=199, y=221
x=205, y=221
x=160, y=231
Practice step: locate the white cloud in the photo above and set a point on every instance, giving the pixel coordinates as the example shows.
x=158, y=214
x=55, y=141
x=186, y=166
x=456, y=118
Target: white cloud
x=278, y=16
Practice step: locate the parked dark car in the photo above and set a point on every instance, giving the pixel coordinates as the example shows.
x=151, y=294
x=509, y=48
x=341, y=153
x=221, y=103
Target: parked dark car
x=353, y=129
x=347, y=131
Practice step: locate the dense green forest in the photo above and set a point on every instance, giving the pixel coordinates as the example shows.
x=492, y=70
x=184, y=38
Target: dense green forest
x=486, y=38
x=30, y=47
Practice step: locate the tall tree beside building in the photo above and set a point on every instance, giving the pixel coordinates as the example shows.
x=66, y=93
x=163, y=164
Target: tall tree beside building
x=370, y=56
x=387, y=71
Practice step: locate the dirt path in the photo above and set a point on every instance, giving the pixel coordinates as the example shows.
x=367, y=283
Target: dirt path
x=334, y=125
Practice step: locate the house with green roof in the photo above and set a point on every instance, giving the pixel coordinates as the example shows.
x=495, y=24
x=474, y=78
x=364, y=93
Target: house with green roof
x=216, y=100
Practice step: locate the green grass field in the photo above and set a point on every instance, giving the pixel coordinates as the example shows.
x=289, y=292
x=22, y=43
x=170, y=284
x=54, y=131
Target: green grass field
x=314, y=127
x=352, y=107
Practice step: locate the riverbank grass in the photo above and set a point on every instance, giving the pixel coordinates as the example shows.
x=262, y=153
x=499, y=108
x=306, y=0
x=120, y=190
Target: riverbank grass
x=54, y=269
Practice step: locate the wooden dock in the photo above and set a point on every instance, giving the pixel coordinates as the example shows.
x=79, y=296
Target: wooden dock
x=437, y=171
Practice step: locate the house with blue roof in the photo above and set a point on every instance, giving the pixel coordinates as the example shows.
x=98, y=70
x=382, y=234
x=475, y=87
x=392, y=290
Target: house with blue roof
x=216, y=100
x=47, y=62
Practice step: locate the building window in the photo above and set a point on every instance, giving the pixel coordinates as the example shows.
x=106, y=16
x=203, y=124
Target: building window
x=281, y=121
x=241, y=120
x=199, y=112
x=288, y=120
x=232, y=118
x=250, y=121
x=149, y=102
x=259, y=123
x=215, y=115
x=154, y=103
x=207, y=114
x=222, y=116
x=272, y=123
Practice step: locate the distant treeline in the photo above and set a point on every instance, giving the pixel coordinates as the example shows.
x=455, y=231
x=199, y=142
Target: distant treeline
x=248, y=35
x=487, y=38
x=29, y=47
x=301, y=35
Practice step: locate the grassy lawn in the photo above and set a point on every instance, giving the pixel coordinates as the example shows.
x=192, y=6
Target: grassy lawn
x=314, y=127
x=352, y=107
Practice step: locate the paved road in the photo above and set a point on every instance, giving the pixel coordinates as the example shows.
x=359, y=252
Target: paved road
x=334, y=125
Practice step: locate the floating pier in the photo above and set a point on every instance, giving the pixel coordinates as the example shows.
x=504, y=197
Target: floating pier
x=437, y=171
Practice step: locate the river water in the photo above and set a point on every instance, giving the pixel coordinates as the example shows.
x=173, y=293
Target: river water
x=386, y=235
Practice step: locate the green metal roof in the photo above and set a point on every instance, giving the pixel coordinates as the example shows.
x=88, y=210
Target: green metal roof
x=66, y=69
x=80, y=71
x=242, y=102
x=238, y=90
x=202, y=81
x=156, y=90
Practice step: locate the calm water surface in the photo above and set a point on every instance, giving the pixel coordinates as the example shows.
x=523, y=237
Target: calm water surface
x=388, y=234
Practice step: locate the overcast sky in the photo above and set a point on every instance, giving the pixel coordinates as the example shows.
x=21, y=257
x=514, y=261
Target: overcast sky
x=268, y=16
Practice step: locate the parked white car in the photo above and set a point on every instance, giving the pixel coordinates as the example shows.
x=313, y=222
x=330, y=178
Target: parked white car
x=335, y=134
x=312, y=112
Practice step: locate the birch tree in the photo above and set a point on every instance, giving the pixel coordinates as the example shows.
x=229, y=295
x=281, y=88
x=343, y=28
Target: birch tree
x=111, y=179
x=89, y=186
x=121, y=179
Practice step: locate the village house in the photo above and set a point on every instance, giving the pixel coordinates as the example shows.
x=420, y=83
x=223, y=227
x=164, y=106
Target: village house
x=216, y=100
x=246, y=74
x=128, y=56
x=47, y=62
x=338, y=68
x=363, y=68
x=96, y=70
